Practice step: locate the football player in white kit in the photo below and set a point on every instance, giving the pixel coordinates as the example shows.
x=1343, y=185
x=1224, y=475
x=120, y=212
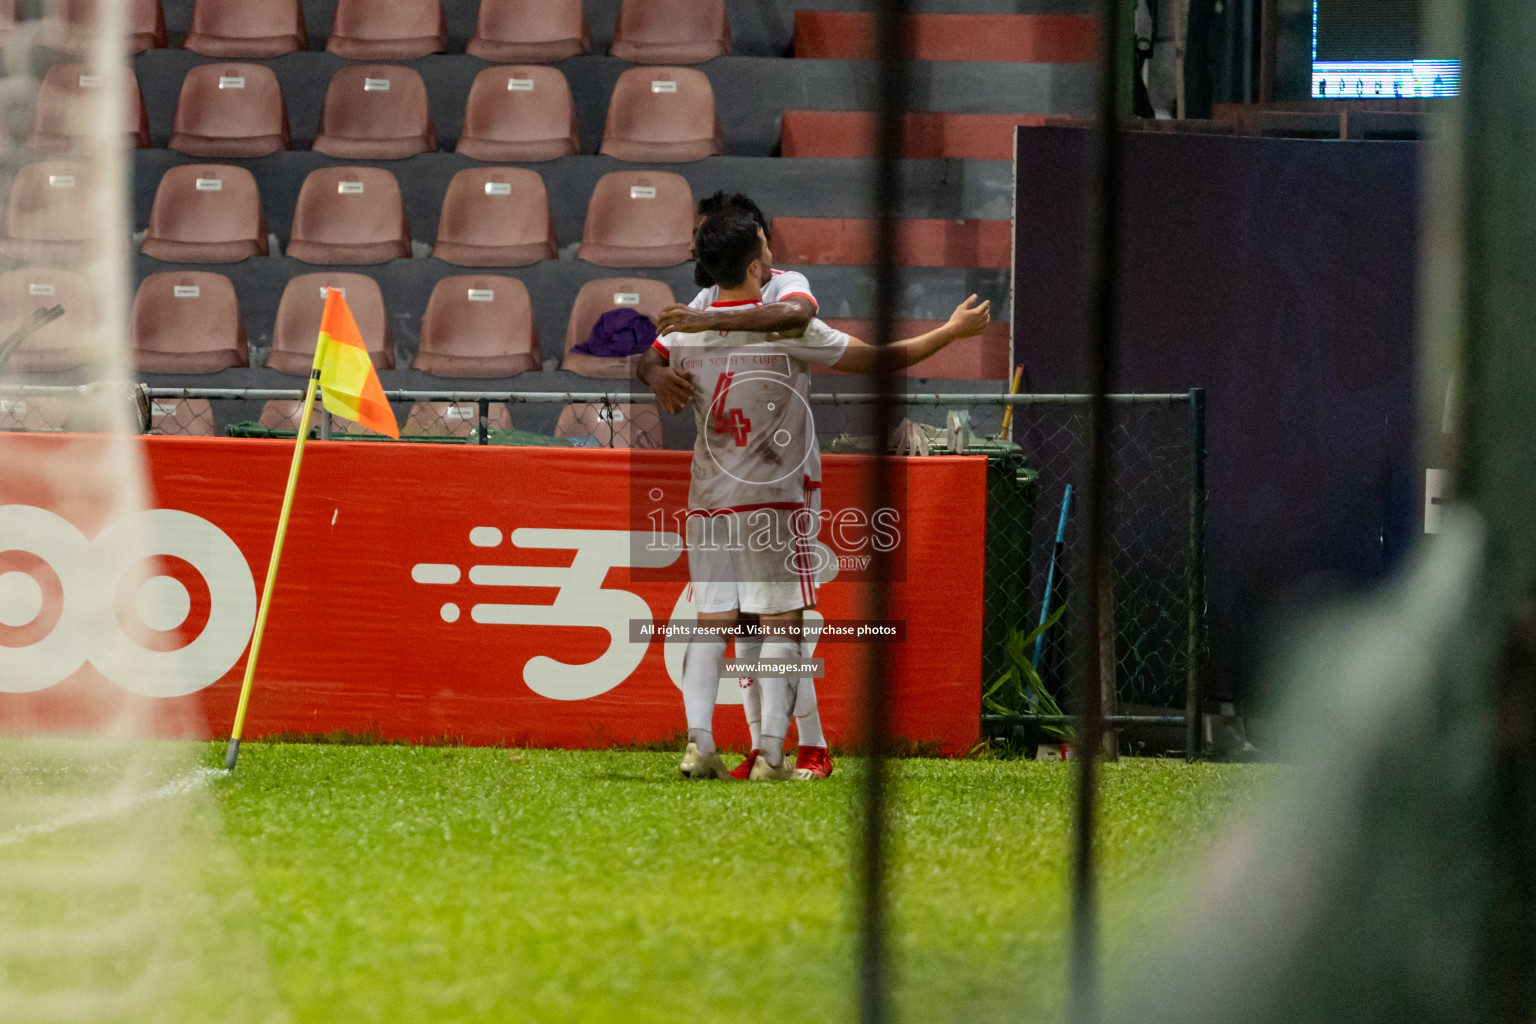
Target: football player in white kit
x=787, y=308
x=747, y=529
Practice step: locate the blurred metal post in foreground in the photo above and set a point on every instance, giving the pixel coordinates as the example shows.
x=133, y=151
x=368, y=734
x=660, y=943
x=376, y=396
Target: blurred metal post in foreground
x=1496, y=470
x=1104, y=304
x=874, y=973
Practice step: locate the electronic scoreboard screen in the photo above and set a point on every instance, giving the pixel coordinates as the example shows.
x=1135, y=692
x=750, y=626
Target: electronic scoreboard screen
x=1374, y=49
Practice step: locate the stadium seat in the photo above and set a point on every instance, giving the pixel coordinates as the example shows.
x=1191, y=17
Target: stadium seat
x=530, y=31
x=495, y=217
x=662, y=115
x=520, y=113
x=638, y=219
x=611, y=426
x=283, y=415
x=454, y=419
x=247, y=28
x=51, y=213
x=478, y=326
x=65, y=114
x=186, y=322
x=63, y=344
x=671, y=31
x=387, y=29
x=182, y=417
x=36, y=414
x=298, y=321
x=376, y=112
x=1026, y=38
x=351, y=216
x=230, y=110
x=145, y=28
x=206, y=213
x=595, y=299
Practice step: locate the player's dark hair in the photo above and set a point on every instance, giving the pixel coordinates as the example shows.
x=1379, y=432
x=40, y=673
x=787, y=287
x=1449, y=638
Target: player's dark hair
x=714, y=204
x=726, y=244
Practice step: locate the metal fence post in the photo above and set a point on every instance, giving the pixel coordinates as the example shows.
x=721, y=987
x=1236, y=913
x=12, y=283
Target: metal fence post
x=1196, y=639
x=483, y=429
x=325, y=424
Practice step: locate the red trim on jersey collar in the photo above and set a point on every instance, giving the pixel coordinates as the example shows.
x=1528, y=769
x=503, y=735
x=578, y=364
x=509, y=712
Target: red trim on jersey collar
x=737, y=302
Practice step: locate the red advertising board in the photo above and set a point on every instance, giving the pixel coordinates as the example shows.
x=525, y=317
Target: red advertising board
x=432, y=592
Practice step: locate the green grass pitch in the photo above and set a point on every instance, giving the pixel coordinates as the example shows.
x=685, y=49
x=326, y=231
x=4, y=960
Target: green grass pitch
x=393, y=883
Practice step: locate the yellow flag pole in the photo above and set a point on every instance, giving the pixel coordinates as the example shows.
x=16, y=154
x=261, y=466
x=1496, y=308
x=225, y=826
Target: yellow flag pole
x=233, y=753
x=1018, y=373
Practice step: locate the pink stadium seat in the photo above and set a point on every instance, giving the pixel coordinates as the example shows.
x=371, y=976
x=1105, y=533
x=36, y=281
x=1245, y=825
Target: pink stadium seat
x=495, y=217
x=612, y=426
x=638, y=219
x=349, y=215
x=247, y=28
x=298, y=321
x=598, y=297
x=522, y=113
x=478, y=326
x=182, y=417
x=230, y=110
x=65, y=343
x=530, y=31
x=662, y=115
x=206, y=213
x=66, y=113
x=671, y=31
x=186, y=322
x=376, y=112
x=51, y=213
x=454, y=419
x=145, y=28
x=387, y=29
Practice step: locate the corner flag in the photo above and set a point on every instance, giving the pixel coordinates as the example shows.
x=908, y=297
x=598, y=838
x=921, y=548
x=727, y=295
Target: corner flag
x=349, y=387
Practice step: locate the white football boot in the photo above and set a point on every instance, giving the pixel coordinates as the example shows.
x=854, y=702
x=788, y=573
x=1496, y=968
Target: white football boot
x=761, y=772
x=703, y=766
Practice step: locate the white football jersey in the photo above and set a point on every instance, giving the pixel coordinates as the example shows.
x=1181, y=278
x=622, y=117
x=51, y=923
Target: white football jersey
x=756, y=442
x=782, y=285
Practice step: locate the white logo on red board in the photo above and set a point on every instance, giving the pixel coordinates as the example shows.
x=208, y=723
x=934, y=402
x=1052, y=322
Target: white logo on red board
x=122, y=601
x=580, y=599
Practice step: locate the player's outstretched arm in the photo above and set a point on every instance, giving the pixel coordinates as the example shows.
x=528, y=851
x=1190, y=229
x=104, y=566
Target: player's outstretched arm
x=788, y=318
x=673, y=387
x=968, y=320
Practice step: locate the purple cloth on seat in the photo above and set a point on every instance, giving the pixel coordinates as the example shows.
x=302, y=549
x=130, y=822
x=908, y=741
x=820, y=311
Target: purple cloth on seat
x=618, y=333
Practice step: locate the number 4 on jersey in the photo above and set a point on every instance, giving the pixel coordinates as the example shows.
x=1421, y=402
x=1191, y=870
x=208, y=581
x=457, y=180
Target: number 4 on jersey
x=728, y=421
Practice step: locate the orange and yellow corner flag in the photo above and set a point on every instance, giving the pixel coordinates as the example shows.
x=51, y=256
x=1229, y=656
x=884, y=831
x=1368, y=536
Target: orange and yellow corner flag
x=349, y=387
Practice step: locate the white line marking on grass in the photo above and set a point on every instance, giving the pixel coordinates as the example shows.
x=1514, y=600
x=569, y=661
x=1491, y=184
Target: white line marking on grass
x=176, y=787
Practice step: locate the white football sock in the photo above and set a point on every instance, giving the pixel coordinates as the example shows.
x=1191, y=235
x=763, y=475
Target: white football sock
x=702, y=663
x=807, y=716
x=751, y=693
x=778, y=698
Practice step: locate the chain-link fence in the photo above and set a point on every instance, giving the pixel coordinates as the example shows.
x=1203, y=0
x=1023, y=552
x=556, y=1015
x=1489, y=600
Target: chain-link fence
x=1037, y=452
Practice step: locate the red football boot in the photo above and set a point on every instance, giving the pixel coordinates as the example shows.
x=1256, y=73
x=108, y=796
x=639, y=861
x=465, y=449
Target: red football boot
x=812, y=763
x=743, y=771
